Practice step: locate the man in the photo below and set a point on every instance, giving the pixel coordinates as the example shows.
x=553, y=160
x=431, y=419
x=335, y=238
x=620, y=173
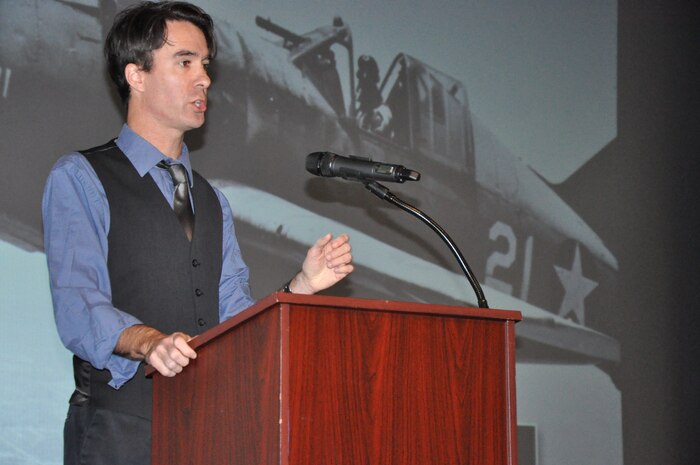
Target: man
x=141, y=249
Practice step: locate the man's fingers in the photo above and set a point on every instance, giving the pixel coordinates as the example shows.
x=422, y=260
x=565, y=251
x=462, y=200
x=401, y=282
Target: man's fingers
x=162, y=368
x=333, y=245
x=342, y=250
x=339, y=263
x=340, y=256
x=180, y=342
x=340, y=240
x=171, y=354
x=342, y=245
x=323, y=241
x=343, y=270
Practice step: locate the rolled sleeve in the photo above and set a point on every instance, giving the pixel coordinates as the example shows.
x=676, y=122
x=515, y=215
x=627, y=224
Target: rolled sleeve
x=234, y=291
x=76, y=223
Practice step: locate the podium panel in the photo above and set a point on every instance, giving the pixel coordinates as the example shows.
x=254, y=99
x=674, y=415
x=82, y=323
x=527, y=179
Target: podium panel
x=316, y=380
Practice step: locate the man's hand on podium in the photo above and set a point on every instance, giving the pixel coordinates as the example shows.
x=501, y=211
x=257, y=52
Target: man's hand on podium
x=169, y=354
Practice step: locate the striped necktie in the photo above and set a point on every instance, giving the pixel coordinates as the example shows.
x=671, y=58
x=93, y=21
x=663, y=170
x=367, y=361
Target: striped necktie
x=181, y=197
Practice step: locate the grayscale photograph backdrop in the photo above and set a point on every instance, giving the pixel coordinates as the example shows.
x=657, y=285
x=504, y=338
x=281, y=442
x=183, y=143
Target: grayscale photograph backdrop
x=553, y=142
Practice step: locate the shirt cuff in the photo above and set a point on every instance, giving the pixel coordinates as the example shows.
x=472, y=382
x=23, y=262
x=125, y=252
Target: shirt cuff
x=122, y=370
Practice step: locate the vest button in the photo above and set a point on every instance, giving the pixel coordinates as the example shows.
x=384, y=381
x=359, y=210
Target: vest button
x=198, y=292
x=195, y=263
x=201, y=322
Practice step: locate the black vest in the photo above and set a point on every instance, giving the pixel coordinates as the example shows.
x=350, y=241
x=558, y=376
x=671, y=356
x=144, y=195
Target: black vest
x=156, y=274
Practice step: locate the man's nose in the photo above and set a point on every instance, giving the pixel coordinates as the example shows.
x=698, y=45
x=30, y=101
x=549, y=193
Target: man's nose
x=203, y=80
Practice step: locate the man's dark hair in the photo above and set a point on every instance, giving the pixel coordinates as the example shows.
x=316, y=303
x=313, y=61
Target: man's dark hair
x=142, y=28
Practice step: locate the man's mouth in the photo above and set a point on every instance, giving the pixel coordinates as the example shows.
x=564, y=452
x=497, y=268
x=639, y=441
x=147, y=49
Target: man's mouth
x=200, y=104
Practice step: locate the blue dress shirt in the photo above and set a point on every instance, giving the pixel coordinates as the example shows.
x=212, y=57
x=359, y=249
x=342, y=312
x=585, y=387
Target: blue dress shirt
x=76, y=224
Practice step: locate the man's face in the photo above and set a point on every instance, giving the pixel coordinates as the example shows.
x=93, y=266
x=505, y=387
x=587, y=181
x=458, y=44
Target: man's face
x=174, y=96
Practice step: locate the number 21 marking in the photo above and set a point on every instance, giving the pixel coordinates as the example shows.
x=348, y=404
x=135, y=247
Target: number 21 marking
x=505, y=260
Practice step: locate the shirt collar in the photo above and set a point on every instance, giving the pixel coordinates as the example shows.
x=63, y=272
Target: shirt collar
x=144, y=156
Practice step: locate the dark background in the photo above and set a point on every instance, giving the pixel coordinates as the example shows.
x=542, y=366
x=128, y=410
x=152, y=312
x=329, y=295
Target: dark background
x=651, y=223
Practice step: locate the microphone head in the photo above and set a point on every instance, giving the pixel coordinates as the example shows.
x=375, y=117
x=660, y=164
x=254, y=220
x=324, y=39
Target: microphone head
x=317, y=163
x=406, y=174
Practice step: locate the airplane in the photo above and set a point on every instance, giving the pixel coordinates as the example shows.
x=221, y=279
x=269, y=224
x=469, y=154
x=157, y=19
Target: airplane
x=277, y=96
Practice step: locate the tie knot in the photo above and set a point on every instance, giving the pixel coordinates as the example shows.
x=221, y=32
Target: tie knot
x=177, y=172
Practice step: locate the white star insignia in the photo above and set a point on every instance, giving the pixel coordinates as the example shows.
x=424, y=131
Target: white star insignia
x=576, y=288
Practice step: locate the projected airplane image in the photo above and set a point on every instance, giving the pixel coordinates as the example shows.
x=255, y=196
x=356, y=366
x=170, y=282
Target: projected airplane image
x=279, y=95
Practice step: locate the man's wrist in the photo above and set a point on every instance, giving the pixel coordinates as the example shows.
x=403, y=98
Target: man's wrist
x=298, y=285
x=137, y=341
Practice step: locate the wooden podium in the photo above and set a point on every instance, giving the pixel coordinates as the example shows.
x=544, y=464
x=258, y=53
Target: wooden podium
x=328, y=381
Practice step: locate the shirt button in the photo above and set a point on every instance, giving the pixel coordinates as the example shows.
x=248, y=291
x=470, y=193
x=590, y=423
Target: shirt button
x=195, y=263
x=198, y=292
x=201, y=322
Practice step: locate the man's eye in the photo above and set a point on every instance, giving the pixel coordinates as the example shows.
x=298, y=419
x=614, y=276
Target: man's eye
x=185, y=63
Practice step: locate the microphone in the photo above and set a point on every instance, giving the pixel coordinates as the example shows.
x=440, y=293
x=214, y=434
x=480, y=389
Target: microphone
x=329, y=164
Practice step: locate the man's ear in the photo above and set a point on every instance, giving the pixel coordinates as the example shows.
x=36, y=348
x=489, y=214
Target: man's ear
x=134, y=77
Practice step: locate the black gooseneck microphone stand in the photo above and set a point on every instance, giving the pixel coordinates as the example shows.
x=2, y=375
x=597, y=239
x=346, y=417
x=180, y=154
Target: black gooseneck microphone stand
x=384, y=193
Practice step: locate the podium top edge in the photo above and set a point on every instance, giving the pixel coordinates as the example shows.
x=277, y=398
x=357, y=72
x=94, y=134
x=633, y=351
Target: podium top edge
x=349, y=303
x=354, y=304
